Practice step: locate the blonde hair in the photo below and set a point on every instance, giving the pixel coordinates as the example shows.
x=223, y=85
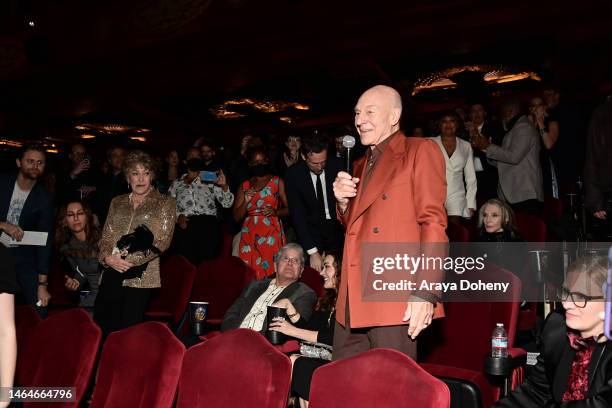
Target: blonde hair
x=507, y=215
x=596, y=268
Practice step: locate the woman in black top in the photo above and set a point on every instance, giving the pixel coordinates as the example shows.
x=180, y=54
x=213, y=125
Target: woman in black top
x=319, y=329
x=574, y=367
x=77, y=238
x=8, y=341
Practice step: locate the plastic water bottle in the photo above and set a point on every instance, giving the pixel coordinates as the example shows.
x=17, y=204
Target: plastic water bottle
x=499, y=342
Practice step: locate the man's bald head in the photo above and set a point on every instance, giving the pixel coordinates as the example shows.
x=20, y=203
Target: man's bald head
x=377, y=114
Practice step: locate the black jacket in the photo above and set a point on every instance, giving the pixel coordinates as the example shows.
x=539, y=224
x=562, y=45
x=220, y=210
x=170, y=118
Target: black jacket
x=301, y=296
x=547, y=383
x=302, y=200
x=37, y=215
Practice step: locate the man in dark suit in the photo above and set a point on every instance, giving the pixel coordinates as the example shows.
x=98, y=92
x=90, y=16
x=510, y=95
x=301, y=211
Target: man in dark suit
x=310, y=195
x=26, y=206
x=486, y=173
x=249, y=310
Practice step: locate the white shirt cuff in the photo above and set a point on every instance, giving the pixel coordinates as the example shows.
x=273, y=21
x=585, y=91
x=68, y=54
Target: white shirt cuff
x=312, y=251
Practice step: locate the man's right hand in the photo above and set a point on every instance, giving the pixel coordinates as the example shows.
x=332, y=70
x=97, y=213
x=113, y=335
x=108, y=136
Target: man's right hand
x=13, y=230
x=345, y=187
x=316, y=261
x=182, y=221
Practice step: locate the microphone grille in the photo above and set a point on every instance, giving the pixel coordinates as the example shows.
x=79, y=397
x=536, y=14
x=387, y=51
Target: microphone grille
x=348, y=141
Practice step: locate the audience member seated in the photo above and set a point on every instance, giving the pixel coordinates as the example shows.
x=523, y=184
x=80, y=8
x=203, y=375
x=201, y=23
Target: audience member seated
x=209, y=155
x=130, y=274
x=574, y=368
x=260, y=201
x=77, y=239
x=198, y=236
x=496, y=226
x=320, y=329
x=459, y=158
x=250, y=309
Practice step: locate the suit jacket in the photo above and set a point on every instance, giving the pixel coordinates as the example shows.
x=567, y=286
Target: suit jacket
x=402, y=202
x=518, y=163
x=301, y=296
x=37, y=215
x=547, y=382
x=302, y=199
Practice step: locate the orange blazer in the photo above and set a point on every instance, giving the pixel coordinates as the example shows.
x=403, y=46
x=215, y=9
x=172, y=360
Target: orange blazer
x=402, y=202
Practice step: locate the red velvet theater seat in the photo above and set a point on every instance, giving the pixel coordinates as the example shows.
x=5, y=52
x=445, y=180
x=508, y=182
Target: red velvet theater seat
x=313, y=279
x=219, y=282
x=60, y=352
x=177, y=277
x=239, y=368
x=455, y=346
x=26, y=319
x=139, y=368
x=457, y=233
x=377, y=378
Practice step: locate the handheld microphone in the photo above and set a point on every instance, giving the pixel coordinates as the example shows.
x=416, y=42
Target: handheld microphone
x=348, y=142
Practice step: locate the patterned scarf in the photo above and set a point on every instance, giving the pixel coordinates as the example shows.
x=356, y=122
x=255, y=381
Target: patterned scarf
x=578, y=383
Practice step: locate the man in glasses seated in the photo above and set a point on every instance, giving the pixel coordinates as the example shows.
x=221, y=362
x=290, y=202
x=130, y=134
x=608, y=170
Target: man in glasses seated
x=574, y=368
x=250, y=309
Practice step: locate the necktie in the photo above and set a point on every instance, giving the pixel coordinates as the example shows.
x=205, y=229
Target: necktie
x=320, y=197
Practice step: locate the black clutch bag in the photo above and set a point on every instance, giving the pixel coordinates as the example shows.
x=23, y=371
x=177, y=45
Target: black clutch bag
x=141, y=240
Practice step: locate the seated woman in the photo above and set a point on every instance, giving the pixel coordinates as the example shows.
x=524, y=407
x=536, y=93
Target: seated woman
x=319, y=329
x=574, y=368
x=496, y=228
x=76, y=239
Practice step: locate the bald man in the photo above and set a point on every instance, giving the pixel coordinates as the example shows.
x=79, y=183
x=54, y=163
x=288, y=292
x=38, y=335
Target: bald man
x=396, y=194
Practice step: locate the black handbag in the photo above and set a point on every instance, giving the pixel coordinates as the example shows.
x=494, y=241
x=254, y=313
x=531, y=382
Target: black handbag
x=141, y=240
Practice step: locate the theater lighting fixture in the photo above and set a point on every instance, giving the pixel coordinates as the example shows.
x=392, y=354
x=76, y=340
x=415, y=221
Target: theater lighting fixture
x=87, y=136
x=238, y=108
x=111, y=128
x=490, y=74
x=286, y=119
x=139, y=138
x=11, y=143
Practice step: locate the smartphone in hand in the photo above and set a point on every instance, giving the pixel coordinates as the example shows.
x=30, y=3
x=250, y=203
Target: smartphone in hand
x=209, y=176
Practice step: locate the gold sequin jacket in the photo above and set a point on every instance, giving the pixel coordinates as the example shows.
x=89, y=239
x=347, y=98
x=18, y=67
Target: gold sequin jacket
x=158, y=213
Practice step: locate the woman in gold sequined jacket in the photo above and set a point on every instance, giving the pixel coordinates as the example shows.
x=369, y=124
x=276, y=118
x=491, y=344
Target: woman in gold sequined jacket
x=122, y=302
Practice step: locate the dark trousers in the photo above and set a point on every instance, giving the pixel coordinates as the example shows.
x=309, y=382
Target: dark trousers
x=28, y=289
x=201, y=240
x=331, y=236
x=349, y=342
x=532, y=207
x=118, y=307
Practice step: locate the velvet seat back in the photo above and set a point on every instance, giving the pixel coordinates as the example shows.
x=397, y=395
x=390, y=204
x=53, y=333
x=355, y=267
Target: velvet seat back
x=60, y=351
x=379, y=378
x=177, y=277
x=219, y=282
x=239, y=368
x=139, y=368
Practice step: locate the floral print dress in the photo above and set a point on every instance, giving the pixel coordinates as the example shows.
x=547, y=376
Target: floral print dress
x=262, y=237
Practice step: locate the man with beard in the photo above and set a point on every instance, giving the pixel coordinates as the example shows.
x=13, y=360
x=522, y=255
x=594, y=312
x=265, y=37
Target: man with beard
x=26, y=206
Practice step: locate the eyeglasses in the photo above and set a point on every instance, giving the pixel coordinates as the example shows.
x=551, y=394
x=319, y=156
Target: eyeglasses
x=579, y=299
x=290, y=261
